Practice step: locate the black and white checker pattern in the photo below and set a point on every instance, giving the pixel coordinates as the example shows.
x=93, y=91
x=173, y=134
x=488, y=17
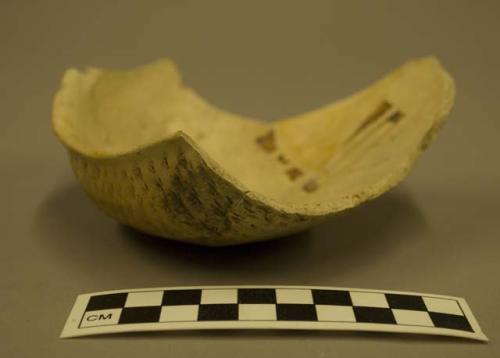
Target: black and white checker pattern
x=281, y=304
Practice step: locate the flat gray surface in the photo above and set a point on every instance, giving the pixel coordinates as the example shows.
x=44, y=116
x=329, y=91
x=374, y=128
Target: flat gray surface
x=437, y=233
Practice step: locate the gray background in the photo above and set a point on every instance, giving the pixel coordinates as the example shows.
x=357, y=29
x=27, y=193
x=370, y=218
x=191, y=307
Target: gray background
x=438, y=232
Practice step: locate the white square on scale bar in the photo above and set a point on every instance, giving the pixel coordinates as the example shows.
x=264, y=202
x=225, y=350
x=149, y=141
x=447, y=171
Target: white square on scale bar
x=442, y=305
x=257, y=312
x=369, y=299
x=144, y=299
x=412, y=318
x=187, y=313
x=300, y=296
x=222, y=295
x=333, y=313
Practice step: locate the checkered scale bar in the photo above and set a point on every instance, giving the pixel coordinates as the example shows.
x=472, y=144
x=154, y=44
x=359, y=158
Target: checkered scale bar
x=283, y=307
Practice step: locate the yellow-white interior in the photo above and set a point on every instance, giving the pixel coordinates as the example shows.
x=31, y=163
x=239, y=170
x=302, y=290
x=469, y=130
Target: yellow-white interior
x=336, y=149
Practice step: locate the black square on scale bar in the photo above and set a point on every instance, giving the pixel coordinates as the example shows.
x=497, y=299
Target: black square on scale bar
x=140, y=314
x=374, y=315
x=296, y=312
x=218, y=312
x=256, y=295
x=445, y=320
x=332, y=297
x=181, y=297
x=405, y=302
x=102, y=302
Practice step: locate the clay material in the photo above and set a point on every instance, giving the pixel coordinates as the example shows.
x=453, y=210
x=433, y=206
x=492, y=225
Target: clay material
x=155, y=156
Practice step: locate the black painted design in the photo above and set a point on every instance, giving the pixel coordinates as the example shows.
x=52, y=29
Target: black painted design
x=379, y=112
x=294, y=173
x=267, y=141
x=310, y=186
x=395, y=117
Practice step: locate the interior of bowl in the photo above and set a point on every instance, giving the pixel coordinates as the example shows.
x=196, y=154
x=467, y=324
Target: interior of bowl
x=356, y=147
